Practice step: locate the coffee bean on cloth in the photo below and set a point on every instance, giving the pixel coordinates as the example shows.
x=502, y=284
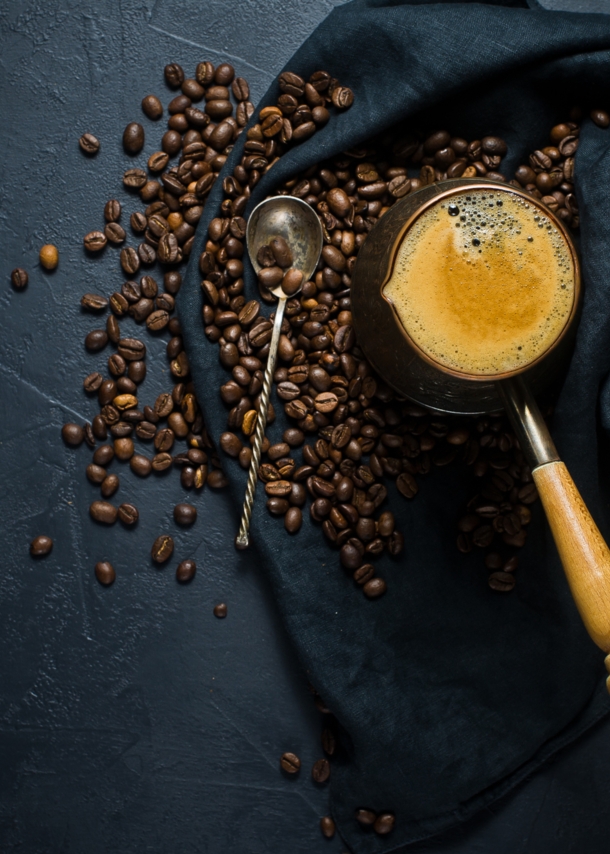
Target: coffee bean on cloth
x=459, y=696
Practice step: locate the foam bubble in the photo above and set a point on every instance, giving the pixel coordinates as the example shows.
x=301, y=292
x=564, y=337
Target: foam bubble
x=488, y=293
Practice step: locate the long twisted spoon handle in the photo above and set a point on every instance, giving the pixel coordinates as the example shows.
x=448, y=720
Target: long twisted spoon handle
x=242, y=541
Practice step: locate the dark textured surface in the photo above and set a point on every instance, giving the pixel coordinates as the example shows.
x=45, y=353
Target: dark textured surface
x=130, y=718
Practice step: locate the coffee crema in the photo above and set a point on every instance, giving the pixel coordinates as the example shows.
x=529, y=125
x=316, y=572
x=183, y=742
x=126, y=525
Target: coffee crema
x=483, y=282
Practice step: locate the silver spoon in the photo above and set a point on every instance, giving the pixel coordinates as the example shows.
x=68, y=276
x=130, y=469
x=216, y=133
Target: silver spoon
x=295, y=221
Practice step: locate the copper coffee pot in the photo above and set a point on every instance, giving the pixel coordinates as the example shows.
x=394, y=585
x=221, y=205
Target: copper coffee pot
x=415, y=374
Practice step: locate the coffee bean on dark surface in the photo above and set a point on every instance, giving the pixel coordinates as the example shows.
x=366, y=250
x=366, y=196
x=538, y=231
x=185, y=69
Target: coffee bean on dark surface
x=220, y=611
x=89, y=144
x=133, y=138
x=327, y=826
x=105, y=573
x=72, y=434
x=321, y=771
x=384, y=823
x=162, y=548
x=19, y=278
x=41, y=546
x=366, y=817
x=290, y=763
x=103, y=512
x=185, y=571
x=185, y=515
x=152, y=107
x=128, y=514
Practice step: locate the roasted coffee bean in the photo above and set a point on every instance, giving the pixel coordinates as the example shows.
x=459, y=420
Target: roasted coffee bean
x=72, y=434
x=152, y=107
x=502, y=581
x=94, y=241
x=95, y=473
x=293, y=520
x=131, y=349
x=220, y=611
x=290, y=763
x=185, y=571
x=600, y=117
x=140, y=465
x=327, y=826
x=94, y=302
x=49, y=256
x=19, y=278
x=384, y=823
x=89, y=144
x=133, y=138
x=130, y=260
x=104, y=512
x=174, y=75
x=41, y=545
x=185, y=515
x=128, y=514
x=105, y=573
x=366, y=817
x=321, y=771
x=374, y=588
x=162, y=548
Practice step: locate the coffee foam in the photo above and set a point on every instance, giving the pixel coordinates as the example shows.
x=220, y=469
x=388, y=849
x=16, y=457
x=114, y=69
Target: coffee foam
x=483, y=282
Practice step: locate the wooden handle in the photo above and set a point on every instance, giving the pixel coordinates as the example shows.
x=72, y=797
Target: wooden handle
x=582, y=549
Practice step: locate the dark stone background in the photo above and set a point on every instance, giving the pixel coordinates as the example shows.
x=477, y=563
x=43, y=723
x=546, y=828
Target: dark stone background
x=131, y=719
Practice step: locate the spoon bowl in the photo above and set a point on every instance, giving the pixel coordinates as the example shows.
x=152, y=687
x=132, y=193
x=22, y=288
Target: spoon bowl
x=294, y=220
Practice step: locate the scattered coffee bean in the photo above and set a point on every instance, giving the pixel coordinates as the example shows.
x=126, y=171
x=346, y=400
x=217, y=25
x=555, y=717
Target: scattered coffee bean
x=365, y=817
x=104, y=572
x=321, y=771
x=185, y=515
x=41, y=546
x=49, y=256
x=384, y=823
x=133, y=138
x=128, y=514
x=94, y=241
x=327, y=826
x=162, y=548
x=152, y=107
x=19, y=278
x=89, y=144
x=104, y=512
x=186, y=571
x=72, y=434
x=220, y=611
x=290, y=763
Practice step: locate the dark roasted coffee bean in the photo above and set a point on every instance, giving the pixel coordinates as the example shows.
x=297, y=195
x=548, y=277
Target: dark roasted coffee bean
x=162, y=548
x=174, y=75
x=293, y=520
x=114, y=233
x=204, y=73
x=128, y=514
x=321, y=771
x=72, y=434
x=185, y=571
x=41, y=545
x=112, y=210
x=130, y=260
x=131, y=349
x=384, y=823
x=600, y=117
x=185, y=515
x=89, y=144
x=152, y=107
x=94, y=302
x=140, y=465
x=103, y=455
x=366, y=817
x=374, y=588
x=19, y=278
x=104, y=512
x=503, y=582
x=104, y=572
x=94, y=241
x=290, y=763
x=133, y=138
x=220, y=611
x=95, y=473
x=327, y=826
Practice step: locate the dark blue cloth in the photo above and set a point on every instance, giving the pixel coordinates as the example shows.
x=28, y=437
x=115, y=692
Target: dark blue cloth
x=447, y=695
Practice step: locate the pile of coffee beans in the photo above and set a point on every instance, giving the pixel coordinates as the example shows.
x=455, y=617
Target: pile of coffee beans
x=173, y=197
x=349, y=432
